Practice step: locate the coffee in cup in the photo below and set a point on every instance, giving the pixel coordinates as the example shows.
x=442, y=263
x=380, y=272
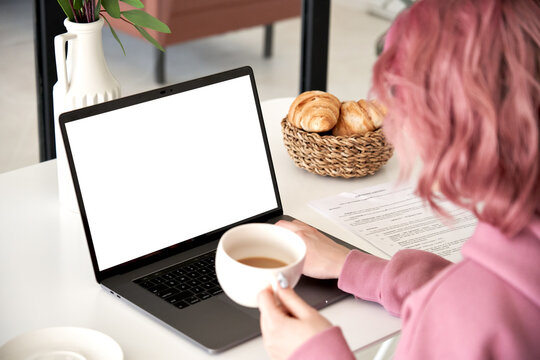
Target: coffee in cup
x=251, y=257
x=262, y=262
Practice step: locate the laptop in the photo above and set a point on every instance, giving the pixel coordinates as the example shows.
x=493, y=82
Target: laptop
x=159, y=177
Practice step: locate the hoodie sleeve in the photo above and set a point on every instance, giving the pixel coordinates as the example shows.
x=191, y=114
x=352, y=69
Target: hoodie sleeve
x=327, y=345
x=389, y=282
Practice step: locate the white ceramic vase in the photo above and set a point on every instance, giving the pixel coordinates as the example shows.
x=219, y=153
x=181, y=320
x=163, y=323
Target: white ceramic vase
x=83, y=79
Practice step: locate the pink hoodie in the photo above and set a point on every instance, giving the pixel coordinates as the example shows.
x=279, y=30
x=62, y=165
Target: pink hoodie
x=485, y=307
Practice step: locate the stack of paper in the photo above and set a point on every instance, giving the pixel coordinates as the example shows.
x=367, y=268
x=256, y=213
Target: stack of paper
x=393, y=218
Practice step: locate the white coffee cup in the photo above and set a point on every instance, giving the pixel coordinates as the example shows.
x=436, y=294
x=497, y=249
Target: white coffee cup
x=241, y=282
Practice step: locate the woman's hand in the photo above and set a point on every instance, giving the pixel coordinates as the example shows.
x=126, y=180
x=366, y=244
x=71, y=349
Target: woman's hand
x=287, y=322
x=324, y=257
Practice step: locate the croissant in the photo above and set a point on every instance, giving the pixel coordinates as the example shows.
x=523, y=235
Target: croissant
x=376, y=111
x=314, y=111
x=357, y=118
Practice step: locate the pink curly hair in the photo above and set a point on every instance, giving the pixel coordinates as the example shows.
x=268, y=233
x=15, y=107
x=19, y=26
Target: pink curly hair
x=460, y=79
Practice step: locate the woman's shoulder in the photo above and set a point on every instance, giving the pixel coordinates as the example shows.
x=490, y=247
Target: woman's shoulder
x=470, y=312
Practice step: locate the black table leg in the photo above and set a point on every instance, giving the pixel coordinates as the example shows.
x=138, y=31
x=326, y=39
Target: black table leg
x=314, y=56
x=268, y=40
x=48, y=22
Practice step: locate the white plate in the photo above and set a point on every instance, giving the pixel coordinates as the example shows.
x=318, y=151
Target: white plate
x=62, y=343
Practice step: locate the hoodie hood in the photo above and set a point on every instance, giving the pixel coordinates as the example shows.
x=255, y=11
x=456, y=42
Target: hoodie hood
x=516, y=260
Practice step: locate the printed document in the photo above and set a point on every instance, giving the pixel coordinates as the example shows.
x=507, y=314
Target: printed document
x=392, y=217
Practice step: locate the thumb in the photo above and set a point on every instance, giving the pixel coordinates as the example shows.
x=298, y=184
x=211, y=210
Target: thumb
x=294, y=303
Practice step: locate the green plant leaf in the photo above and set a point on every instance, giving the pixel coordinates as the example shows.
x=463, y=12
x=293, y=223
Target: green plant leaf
x=149, y=37
x=64, y=4
x=115, y=36
x=143, y=19
x=135, y=3
x=96, y=11
x=77, y=5
x=112, y=7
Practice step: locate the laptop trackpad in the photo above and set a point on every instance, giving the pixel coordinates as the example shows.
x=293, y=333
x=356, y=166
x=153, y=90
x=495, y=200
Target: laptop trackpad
x=251, y=312
x=223, y=323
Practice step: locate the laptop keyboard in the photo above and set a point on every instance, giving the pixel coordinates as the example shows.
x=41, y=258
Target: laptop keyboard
x=186, y=283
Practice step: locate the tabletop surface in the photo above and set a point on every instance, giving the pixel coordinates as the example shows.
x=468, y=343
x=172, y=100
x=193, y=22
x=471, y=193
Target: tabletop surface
x=47, y=279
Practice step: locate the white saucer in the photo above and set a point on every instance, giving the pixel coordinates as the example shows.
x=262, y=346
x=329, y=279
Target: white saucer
x=62, y=343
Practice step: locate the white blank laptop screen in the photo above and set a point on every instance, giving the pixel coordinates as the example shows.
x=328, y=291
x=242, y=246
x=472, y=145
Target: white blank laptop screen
x=164, y=171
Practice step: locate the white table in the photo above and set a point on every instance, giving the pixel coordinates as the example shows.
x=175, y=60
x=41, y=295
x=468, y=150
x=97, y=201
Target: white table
x=46, y=276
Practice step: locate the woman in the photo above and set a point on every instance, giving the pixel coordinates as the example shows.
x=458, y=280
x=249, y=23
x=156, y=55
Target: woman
x=460, y=79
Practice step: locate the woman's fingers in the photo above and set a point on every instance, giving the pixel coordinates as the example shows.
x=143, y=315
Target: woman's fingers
x=297, y=307
x=288, y=225
x=290, y=302
x=268, y=305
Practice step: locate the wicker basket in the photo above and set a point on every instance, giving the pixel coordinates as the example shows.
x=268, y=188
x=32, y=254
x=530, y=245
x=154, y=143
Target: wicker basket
x=340, y=156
